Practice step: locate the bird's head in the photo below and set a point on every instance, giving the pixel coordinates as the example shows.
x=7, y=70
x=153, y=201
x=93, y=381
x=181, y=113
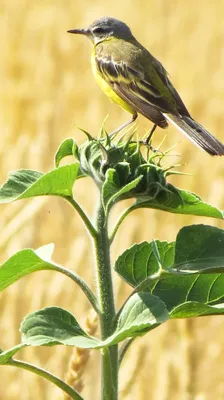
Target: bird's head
x=104, y=28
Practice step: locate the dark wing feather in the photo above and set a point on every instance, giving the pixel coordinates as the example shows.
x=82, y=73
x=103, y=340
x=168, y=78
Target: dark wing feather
x=131, y=86
x=163, y=74
x=140, y=105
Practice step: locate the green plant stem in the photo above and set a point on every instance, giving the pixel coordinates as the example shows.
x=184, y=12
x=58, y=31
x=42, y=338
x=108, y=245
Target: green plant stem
x=46, y=375
x=88, y=292
x=120, y=220
x=107, y=307
x=92, y=231
x=124, y=349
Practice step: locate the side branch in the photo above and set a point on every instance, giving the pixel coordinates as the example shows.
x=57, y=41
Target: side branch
x=89, y=226
x=46, y=375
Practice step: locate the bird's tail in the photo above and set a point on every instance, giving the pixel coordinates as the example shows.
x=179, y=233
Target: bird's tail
x=196, y=133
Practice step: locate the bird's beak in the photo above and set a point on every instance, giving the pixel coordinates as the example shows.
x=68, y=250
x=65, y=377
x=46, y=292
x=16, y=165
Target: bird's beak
x=79, y=31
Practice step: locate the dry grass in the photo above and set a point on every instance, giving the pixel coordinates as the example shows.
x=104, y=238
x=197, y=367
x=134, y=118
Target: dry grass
x=46, y=88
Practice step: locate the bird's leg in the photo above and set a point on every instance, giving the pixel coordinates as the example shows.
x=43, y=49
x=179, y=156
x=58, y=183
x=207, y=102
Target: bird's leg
x=133, y=118
x=149, y=137
x=147, y=141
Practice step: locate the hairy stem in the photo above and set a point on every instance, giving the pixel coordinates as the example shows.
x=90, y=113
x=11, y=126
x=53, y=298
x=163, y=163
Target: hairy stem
x=107, y=307
x=88, y=292
x=86, y=220
x=120, y=220
x=124, y=349
x=46, y=375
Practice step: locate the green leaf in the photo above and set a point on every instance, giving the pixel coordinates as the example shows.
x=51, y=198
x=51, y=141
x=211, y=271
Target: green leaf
x=123, y=171
x=194, y=309
x=27, y=183
x=141, y=313
x=23, y=263
x=139, y=262
x=175, y=290
x=65, y=149
x=53, y=325
x=110, y=186
x=5, y=356
x=185, y=291
x=112, y=190
x=182, y=202
x=68, y=148
x=199, y=248
x=27, y=261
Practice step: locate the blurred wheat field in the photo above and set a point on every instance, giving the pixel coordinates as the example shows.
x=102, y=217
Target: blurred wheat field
x=46, y=88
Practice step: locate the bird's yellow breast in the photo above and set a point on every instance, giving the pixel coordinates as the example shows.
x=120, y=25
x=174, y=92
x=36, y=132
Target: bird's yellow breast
x=106, y=88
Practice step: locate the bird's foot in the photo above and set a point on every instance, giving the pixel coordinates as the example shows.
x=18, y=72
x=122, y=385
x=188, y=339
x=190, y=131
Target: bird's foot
x=150, y=147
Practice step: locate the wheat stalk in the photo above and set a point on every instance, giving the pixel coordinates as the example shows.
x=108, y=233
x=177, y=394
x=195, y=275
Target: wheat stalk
x=80, y=358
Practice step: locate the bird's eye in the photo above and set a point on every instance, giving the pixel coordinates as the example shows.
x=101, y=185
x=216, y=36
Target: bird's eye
x=98, y=30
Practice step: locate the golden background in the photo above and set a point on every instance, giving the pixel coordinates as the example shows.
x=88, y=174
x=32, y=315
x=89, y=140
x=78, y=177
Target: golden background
x=46, y=88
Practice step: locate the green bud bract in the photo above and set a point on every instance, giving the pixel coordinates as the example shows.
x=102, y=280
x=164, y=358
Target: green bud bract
x=123, y=166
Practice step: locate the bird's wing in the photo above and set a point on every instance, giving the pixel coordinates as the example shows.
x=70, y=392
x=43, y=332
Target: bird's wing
x=139, y=104
x=129, y=84
x=132, y=85
x=163, y=74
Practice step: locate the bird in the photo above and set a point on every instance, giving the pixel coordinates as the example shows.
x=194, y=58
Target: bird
x=134, y=79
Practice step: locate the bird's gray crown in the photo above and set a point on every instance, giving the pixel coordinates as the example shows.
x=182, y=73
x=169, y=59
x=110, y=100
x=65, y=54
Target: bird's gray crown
x=110, y=26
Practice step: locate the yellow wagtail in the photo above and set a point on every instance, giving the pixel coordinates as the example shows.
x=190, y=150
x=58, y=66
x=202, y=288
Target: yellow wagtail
x=138, y=82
